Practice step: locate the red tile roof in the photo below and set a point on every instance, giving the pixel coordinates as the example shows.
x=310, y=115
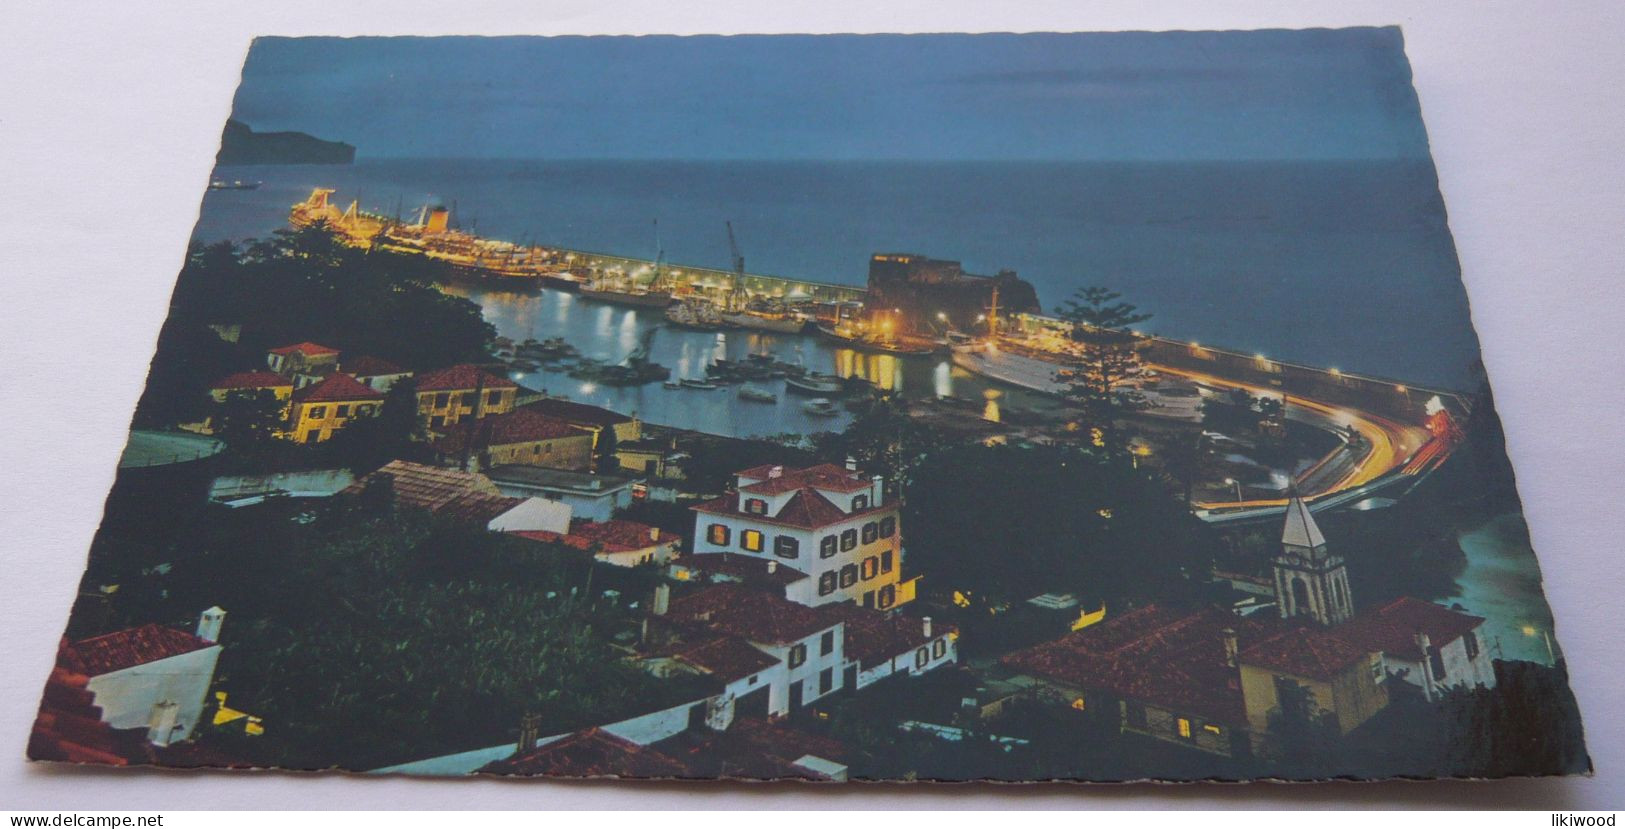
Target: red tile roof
x=464, y=377
x=749, y=613
x=873, y=637
x=251, y=380
x=579, y=413
x=743, y=567
x=1171, y=658
x=367, y=365
x=1315, y=653
x=69, y=726
x=423, y=486
x=613, y=536
x=477, y=507
x=824, y=476
x=309, y=349
x=135, y=646
x=517, y=426
x=753, y=749
x=807, y=509
x=590, y=753
x=336, y=388
x=728, y=658
x=1392, y=628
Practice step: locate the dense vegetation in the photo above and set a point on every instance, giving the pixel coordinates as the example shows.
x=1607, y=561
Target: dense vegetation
x=297, y=286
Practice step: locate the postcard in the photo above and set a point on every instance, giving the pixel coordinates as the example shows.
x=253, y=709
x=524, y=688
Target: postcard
x=1018, y=407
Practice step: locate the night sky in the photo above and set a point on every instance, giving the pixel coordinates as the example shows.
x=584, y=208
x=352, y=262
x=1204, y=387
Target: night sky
x=1319, y=94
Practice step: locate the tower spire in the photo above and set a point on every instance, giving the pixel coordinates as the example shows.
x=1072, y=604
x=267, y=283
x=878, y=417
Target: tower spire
x=1309, y=580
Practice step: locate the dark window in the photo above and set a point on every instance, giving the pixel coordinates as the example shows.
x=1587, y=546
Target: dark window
x=888, y=596
x=888, y=527
x=849, y=539
x=1436, y=661
x=1470, y=639
x=826, y=546
x=441, y=399
x=860, y=502
x=871, y=531
x=756, y=506
x=786, y=547
x=718, y=534
x=871, y=566
x=1135, y=714
x=826, y=643
x=922, y=656
x=826, y=680
x=849, y=575
x=939, y=647
x=318, y=412
x=826, y=583
x=885, y=561
x=493, y=397
x=798, y=656
x=341, y=411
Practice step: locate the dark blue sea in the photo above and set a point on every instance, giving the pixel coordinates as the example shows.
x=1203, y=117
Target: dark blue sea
x=1345, y=264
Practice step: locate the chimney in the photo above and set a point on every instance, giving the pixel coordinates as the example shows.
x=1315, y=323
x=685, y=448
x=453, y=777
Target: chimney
x=662, y=600
x=851, y=464
x=775, y=472
x=878, y=495
x=654, y=533
x=1231, y=646
x=925, y=626
x=772, y=567
x=209, y=622
x=530, y=730
x=161, y=723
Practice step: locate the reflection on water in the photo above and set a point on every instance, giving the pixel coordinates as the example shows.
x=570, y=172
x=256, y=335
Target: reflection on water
x=1502, y=583
x=610, y=333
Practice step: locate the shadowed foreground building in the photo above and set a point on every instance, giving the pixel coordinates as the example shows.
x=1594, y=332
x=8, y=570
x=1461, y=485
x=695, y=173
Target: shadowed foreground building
x=1214, y=681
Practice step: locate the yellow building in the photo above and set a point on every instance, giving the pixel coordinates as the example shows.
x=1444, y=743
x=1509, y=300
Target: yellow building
x=326, y=406
x=254, y=382
x=1313, y=673
x=447, y=395
x=592, y=418
x=521, y=437
x=307, y=360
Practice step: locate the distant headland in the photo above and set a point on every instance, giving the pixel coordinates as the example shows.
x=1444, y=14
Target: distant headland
x=240, y=144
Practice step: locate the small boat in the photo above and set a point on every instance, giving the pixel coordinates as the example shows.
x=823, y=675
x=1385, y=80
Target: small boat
x=696, y=314
x=672, y=384
x=820, y=407
x=819, y=384
x=702, y=385
x=756, y=395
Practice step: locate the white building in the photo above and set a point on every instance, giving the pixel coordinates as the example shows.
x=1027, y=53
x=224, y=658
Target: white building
x=153, y=677
x=805, y=648
x=838, y=528
x=590, y=496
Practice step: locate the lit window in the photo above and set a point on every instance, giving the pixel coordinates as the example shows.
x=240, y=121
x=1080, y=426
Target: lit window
x=1184, y=727
x=1213, y=729
x=871, y=531
x=888, y=527
x=786, y=547
x=717, y=534
x=849, y=539
x=1079, y=705
x=871, y=566
x=888, y=596
x=826, y=546
x=798, y=656
x=751, y=540
x=756, y=506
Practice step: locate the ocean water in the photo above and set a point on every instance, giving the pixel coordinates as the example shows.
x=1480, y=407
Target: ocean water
x=1345, y=264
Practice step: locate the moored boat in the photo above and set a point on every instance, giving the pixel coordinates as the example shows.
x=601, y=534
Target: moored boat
x=820, y=407
x=814, y=384
x=756, y=395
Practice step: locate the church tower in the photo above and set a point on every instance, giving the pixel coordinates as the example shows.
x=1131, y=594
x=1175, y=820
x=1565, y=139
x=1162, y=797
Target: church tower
x=1309, y=580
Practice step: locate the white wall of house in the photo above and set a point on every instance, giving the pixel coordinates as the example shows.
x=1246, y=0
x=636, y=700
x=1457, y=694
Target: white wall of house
x=808, y=558
x=534, y=514
x=127, y=697
x=807, y=673
x=655, y=726
x=1459, y=668
x=941, y=650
